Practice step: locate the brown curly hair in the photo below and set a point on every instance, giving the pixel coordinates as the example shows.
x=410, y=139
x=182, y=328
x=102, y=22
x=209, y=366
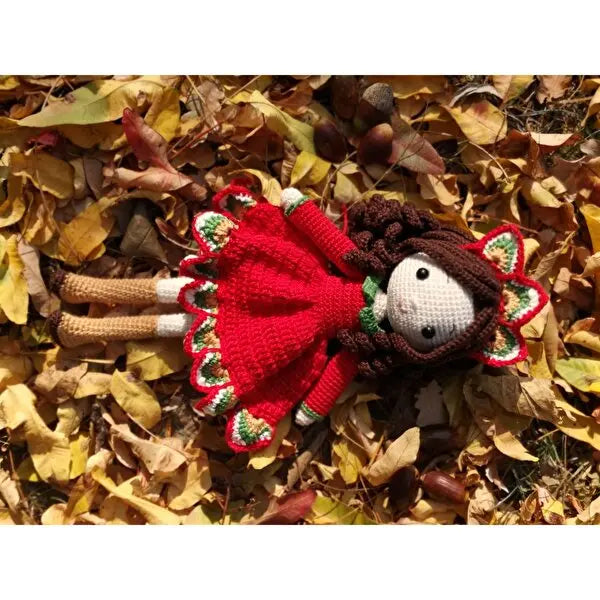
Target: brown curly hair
x=385, y=232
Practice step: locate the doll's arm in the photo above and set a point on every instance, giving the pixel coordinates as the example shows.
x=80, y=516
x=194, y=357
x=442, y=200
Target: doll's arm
x=306, y=217
x=339, y=372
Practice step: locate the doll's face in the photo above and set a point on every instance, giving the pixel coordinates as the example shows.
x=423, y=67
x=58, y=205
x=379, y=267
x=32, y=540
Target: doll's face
x=425, y=305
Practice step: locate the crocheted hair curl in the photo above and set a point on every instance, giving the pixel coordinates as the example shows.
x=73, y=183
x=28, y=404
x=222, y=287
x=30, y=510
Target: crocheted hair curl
x=385, y=232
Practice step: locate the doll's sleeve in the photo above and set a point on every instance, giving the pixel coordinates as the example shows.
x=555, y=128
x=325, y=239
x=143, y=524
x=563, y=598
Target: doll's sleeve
x=306, y=217
x=339, y=372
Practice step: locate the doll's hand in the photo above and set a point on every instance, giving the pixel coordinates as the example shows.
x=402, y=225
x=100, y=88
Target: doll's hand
x=291, y=199
x=305, y=416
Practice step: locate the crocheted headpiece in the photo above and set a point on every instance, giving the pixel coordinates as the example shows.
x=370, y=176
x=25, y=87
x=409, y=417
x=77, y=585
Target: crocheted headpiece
x=522, y=298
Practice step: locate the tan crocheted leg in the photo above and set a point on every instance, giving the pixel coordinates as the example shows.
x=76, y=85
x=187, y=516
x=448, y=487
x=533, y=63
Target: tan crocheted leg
x=78, y=289
x=70, y=331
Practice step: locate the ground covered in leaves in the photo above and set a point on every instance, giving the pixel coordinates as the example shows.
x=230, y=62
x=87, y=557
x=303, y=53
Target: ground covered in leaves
x=105, y=434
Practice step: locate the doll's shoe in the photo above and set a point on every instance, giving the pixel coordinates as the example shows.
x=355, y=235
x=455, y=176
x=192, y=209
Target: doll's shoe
x=55, y=276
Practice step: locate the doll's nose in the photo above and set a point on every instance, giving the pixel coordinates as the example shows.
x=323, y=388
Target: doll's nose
x=407, y=305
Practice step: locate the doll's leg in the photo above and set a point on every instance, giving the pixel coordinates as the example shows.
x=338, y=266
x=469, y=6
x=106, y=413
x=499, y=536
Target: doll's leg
x=77, y=289
x=70, y=331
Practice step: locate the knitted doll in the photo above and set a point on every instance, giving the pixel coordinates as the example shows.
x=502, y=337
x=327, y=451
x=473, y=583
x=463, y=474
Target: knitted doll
x=262, y=300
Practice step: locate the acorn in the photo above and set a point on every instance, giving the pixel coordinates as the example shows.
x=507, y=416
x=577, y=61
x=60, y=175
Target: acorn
x=404, y=488
x=329, y=141
x=441, y=486
x=344, y=95
x=376, y=145
x=376, y=106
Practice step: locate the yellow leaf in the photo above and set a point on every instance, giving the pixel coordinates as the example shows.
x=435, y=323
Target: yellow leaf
x=57, y=385
x=539, y=365
x=153, y=513
x=69, y=415
x=106, y=136
x=82, y=236
x=259, y=459
x=163, y=114
x=189, y=486
x=8, y=82
x=49, y=450
x=15, y=511
x=481, y=122
x=201, y=515
x=401, y=453
x=345, y=190
x=81, y=497
x=587, y=339
x=269, y=186
x=13, y=208
x=511, y=86
x=38, y=225
x=97, y=102
x=308, y=169
x=55, y=515
x=443, y=188
x=158, y=457
x=327, y=511
x=505, y=437
x=46, y=172
x=582, y=373
x=537, y=195
x=299, y=133
x=591, y=212
x=93, y=384
x=14, y=298
x=13, y=369
x=136, y=398
x=153, y=359
x=351, y=459
x=26, y=471
x=433, y=512
x=80, y=448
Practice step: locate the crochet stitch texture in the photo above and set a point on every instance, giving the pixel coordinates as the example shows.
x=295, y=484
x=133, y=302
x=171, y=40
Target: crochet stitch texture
x=275, y=304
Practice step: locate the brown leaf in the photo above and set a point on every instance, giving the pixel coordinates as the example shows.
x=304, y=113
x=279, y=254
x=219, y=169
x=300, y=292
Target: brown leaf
x=411, y=150
x=140, y=238
x=289, y=509
x=43, y=302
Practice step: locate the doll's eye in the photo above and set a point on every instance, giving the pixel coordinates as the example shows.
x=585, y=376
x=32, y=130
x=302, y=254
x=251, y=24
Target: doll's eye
x=422, y=273
x=428, y=332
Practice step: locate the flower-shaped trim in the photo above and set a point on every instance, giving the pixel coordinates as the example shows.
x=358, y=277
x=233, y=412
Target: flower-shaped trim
x=211, y=231
x=522, y=297
x=202, y=335
x=198, y=267
x=506, y=348
x=199, y=296
x=217, y=401
x=235, y=199
x=502, y=248
x=245, y=432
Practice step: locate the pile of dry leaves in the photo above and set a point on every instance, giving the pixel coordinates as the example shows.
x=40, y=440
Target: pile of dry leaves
x=104, y=433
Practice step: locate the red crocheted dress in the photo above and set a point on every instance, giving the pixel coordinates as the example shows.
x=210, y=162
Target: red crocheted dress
x=267, y=303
